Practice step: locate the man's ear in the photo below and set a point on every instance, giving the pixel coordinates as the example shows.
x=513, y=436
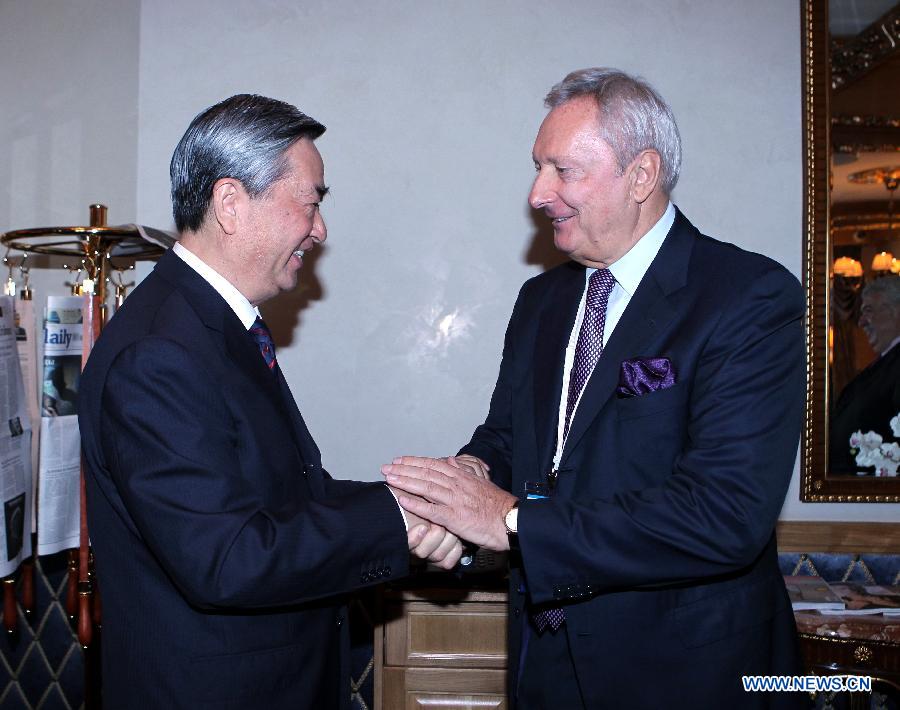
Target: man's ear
x=645, y=175
x=229, y=200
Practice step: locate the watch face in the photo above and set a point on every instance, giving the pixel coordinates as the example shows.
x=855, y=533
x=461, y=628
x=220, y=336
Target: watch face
x=511, y=521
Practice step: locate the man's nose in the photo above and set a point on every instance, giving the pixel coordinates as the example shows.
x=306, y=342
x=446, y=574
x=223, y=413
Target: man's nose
x=319, y=231
x=541, y=195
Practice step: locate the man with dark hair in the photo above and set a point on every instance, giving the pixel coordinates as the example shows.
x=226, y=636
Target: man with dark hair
x=222, y=545
x=641, y=435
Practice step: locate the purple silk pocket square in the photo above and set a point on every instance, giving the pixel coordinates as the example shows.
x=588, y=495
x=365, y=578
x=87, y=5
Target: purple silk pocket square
x=643, y=375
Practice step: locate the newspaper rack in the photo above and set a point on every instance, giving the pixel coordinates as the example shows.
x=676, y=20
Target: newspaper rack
x=96, y=245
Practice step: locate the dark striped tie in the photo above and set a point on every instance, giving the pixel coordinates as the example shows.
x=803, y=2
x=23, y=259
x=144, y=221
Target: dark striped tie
x=260, y=332
x=587, y=352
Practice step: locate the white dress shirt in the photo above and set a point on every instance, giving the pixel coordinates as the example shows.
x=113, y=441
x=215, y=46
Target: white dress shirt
x=628, y=272
x=238, y=302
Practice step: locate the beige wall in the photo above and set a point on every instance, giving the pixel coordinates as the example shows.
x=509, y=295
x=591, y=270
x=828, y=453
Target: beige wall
x=392, y=342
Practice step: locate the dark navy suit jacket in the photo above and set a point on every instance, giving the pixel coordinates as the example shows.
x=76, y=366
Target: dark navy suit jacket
x=868, y=403
x=221, y=544
x=659, y=539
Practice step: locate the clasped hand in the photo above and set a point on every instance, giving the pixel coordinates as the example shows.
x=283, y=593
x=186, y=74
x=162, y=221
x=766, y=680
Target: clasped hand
x=456, y=494
x=430, y=541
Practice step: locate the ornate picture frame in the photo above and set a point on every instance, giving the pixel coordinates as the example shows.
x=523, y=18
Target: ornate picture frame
x=817, y=484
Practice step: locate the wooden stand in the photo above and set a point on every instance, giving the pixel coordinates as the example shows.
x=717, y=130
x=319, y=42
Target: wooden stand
x=441, y=648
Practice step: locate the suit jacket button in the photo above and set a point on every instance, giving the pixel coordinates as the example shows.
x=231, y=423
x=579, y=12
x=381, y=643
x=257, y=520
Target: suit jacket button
x=517, y=613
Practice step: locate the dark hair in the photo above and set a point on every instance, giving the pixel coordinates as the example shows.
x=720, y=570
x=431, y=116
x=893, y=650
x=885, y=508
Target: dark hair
x=633, y=117
x=244, y=137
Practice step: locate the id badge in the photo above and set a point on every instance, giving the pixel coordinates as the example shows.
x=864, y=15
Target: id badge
x=536, y=491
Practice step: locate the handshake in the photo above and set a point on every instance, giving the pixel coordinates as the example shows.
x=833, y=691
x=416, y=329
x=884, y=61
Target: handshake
x=448, y=501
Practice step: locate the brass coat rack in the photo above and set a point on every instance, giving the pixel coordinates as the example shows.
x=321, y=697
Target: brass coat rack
x=95, y=246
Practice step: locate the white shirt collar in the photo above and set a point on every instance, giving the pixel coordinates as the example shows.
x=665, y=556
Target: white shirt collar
x=893, y=345
x=242, y=308
x=630, y=269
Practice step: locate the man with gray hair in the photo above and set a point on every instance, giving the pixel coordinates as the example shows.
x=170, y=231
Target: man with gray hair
x=641, y=435
x=222, y=545
x=872, y=398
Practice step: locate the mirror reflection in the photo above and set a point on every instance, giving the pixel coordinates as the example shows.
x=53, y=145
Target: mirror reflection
x=864, y=332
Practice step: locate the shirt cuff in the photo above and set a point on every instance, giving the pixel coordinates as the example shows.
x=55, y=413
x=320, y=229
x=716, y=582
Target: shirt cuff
x=402, y=512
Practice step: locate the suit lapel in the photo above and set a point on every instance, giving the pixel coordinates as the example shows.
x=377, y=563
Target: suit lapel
x=308, y=448
x=554, y=328
x=244, y=351
x=238, y=345
x=309, y=452
x=648, y=313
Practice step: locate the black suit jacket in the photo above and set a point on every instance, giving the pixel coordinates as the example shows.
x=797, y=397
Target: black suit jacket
x=220, y=541
x=868, y=403
x=659, y=539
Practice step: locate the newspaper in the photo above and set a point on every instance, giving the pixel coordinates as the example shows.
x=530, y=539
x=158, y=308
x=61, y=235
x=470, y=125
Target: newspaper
x=59, y=482
x=15, y=448
x=864, y=599
x=160, y=237
x=26, y=344
x=808, y=592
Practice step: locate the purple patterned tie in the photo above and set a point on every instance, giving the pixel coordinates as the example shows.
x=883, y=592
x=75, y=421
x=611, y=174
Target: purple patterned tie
x=260, y=332
x=590, y=337
x=587, y=352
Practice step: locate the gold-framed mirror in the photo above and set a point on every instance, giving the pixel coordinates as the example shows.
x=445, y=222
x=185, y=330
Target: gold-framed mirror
x=851, y=113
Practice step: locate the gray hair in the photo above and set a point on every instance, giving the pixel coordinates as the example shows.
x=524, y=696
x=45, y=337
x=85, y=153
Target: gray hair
x=633, y=117
x=888, y=287
x=244, y=137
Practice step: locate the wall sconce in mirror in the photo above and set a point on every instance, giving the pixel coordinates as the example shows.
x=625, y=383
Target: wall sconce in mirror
x=882, y=263
x=847, y=267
